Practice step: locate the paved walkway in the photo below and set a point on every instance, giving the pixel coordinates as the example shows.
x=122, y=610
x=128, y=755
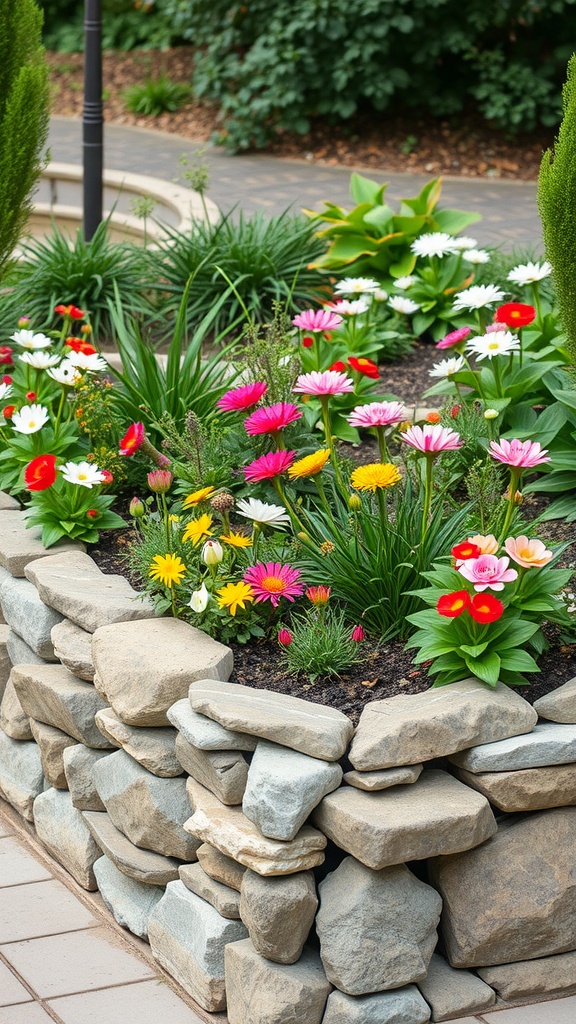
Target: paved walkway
x=508, y=208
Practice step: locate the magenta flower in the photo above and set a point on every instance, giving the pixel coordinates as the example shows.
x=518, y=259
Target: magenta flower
x=487, y=572
x=268, y=466
x=242, y=397
x=328, y=382
x=316, y=320
x=272, y=418
x=270, y=581
x=377, y=414
x=519, y=454
x=454, y=338
x=432, y=439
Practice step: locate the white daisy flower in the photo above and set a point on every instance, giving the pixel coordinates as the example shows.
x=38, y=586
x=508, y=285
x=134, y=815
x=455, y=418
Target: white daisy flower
x=39, y=360
x=379, y=295
x=30, y=340
x=476, y=256
x=400, y=304
x=261, y=512
x=350, y=307
x=497, y=343
x=402, y=283
x=447, y=367
x=464, y=242
x=5, y=391
x=84, y=474
x=434, y=243
x=528, y=273
x=30, y=418
x=356, y=286
x=66, y=373
x=478, y=296
x=92, y=363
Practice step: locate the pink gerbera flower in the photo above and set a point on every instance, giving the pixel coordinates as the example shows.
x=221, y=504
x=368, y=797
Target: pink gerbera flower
x=454, y=338
x=432, y=439
x=519, y=454
x=317, y=320
x=272, y=418
x=376, y=414
x=270, y=581
x=328, y=382
x=268, y=466
x=242, y=397
x=487, y=571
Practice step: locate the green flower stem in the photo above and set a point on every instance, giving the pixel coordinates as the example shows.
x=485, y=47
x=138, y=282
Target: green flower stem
x=515, y=474
x=382, y=509
x=321, y=491
x=497, y=371
x=428, y=487
x=535, y=289
x=60, y=411
x=167, y=527
x=324, y=402
x=288, y=504
x=256, y=531
x=384, y=457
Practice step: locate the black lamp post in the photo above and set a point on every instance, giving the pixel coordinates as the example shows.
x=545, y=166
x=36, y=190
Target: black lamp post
x=92, y=117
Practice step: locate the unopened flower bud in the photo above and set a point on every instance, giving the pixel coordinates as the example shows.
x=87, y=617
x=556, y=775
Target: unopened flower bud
x=107, y=477
x=307, y=341
x=137, y=509
x=199, y=599
x=212, y=553
x=93, y=513
x=358, y=634
x=518, y=499
x=455, y=411
x=433, y=417
x=491, y=414
x=318, y=595
x=86, y=329
x=24, y=321
x=160, y=481
x=355, y=502
x=31, y=396
x=284, y=637
x=222, y=502
x=8, y=411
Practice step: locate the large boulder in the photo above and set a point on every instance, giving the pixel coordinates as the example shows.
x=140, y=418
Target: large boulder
x=403, y=1006
x=559, y=705
x=19, y=545
x=550, y=975
x=451, y=993
x=130, y=902
x=531, y=789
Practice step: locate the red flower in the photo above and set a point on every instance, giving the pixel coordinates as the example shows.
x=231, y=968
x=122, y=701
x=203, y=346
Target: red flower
x=133, y=439
x=268, y=466
x=70, y=311
x=515, y=314
x=93, y=513
x=358, y=634
x=284, y=637
x=31, y=396
x=107, y=477
x=307, y=341
x=433, y=417
x=485, y=608
x=40, y=473
x=364, y=366
x=8, y=411
x=452, y=605
x=319, y=595
x=6, y=379
x=5, y=354
x=79, y=345
x=455, y=411
x=465, y=550
x=339, y=366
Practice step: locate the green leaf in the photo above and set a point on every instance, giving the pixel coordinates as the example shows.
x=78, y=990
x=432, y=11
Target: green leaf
x=474, y=650
x=487, y=667
x=403, y=266
x=519, y=661
x=454, y=221
x=363, y=190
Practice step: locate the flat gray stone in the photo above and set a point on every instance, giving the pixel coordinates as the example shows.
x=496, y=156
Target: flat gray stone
x=29, y=616
x=205, y=734
x=411, y=728
x=73, y=647
x=279, y=913
x=451, y=993
x=187, y=937
x=21, y=775
x=4, y=575
x=52, y=742
x=51, y=694
x=262, y=992
x=20, y=653
x=8, y=502
x=130, y=902
x=141, y=865
x=377, y=929
x=404, y=1006
x=223, y=772
x=559, y=705
x=224, y=899
x=141, y=685
x=385, y=778
x=5, y=662
x=220, y=867
x=549, y=975
x=19, y=546
x=310, y=728
x=436, y=815
x=13, y=719
x=61, y=828
x=548, y=743
x=154, y=749
x=75, y=586
x=149, y=811
x=533, y=789
x=79, y=764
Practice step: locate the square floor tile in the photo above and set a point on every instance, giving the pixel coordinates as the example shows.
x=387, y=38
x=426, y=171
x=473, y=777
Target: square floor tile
x=5, y=827
x=27, y=1013
x=17, y=865
x=61, y=965
x=147, y=1002
x=557, y=1011
x=41, y=908
x=11, y=991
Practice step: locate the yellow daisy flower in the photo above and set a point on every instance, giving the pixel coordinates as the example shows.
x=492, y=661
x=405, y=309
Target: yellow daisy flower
x=234, y=596
x=197, y=497
x=310, y=465
x=197, y=529
x=375, y=476
x=167, y=569
x=237, y=540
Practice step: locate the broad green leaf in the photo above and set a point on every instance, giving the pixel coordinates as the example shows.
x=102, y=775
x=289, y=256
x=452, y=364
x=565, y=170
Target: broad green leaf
x=363, y=190
x=487, y=667
x=474, y=650
x=403, y=266
x=454, y=221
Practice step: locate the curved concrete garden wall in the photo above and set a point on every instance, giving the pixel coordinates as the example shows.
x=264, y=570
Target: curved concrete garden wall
x=277, y=860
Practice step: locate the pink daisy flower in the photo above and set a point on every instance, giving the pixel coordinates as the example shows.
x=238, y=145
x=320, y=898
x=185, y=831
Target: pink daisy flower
x=377, y=414
x=270, y=581
x=432, y=439
x=454, y=338
x=487, y=572
x=242, y=397
x=272, y=418
x=268, y=466
x=328, y=382
x=519, y=454
x=316, y=320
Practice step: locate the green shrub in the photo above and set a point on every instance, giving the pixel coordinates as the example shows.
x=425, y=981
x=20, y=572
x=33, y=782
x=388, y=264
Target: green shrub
x=124, y=26
x=155, y=96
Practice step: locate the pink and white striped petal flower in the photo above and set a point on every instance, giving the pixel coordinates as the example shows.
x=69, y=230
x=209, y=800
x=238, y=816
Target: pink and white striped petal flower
x=488, y=572
x=519, y=454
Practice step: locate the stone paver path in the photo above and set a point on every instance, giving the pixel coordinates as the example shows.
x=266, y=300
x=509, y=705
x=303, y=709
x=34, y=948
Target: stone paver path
x=258, y=182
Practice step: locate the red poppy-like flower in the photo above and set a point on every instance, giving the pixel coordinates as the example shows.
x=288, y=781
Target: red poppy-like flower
x=515, y=314
x=319, y=595
x=339, y=366
x=70, y=311
x=40, y=473
x=133, y=439
x=5, y=355
x=452, y=605
x=485, y=608
x=8, y=411
x=31, y=396
x=6, y=379
x=107, y=477
x=307, y=342
x=364, y=366
x=93, y=513
x=79, y=345
x=284, y=637
x=358, y=634
x=465, y=550
x=268, y=466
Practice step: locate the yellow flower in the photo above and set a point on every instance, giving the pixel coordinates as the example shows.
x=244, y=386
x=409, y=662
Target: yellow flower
x=237, y=540
x=234, y=596
x=374, y=476
x=197, y=529
x=310, y=465
x=167, y=569
x=197, y=497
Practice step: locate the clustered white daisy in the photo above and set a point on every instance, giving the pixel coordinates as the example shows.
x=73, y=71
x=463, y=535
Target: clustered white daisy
x=350, y=307
x=30, y=418
x=529, y=273
x=402, y=283
x=66, y=373
x=434, y=243
x=356, y=286
x=464, y=242
x=495, y=343
x=5, y=391
x=39, y=360
x=447, y=367
x=476, y=256
x=478, y=296
x=400, y=304
x=84, y=474
x=93, y=363
x=30, y=340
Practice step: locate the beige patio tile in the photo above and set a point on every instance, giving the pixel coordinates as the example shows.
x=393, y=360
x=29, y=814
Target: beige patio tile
x=5, y=826
x=11, y=991
x=556, y=1011
x=41, y=908
x=26, y=1013
x=147, y=1002
x=17, y=866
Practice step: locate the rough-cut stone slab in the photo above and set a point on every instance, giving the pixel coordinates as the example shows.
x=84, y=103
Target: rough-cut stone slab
x=63, y=831
x=404, y=1006
x=19, y=546
x=4, y=575
x=52, y=742
x=20, y=653
x=51, y=694
x=559, y=705
x=73, y=647
x=5, y=662
x=76, y=587
x=514, y=898
x=79, y=764
x=549, y=743
x=187, y=936
x=283, y=788
x=278, y=913
x=220, y=867
x=205, y=734
x=451, y=993
x=144, y=667
x=154, y=749
x=142, y=865
x=410, y=728
x=13, y=719
x=310, y=728
x=28, y=616
x=8, y=502
x=261, y=992
x=224, y=899
x=546, y=976
x=533, y=789
x=234, y=834
x=223, y=772
x=377, y=929
x=385, y=778
x=149, y=811
x=435, y=815
x=21, y=775
x=130, y=902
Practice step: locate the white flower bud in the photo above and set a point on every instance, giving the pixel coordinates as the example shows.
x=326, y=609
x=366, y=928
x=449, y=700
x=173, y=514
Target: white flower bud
x=212, y=553
x=199, y=599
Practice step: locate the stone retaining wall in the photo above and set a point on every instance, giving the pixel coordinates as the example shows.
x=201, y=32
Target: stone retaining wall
x=279, y=862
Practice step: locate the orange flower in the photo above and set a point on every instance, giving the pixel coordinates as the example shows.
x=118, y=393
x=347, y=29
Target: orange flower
x=531, y=554
x=488, y=544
